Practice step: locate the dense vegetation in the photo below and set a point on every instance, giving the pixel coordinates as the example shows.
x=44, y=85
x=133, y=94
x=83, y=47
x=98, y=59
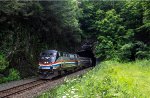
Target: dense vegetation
x=27, y=28
x=109, y=79
x=119, y=30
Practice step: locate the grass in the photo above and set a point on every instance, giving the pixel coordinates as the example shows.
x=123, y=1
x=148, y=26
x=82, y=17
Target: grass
x=110, y=79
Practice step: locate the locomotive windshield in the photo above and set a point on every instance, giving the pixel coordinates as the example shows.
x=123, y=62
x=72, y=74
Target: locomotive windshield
x=48, y=56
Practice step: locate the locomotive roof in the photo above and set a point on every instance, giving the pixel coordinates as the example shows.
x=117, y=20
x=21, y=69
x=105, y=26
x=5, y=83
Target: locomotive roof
x=54, y=51
x=50, y=51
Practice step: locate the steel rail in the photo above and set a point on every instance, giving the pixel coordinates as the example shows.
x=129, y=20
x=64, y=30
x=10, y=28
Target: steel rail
x=21, y=88
x=28, y=86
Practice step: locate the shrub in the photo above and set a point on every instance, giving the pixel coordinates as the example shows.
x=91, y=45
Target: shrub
x=142, y=50
x=3, y=62
x=13, y=75
x=125, y=52
x=133, y=51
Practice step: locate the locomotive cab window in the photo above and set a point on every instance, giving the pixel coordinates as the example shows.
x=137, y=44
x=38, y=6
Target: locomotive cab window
x=46, y=54
x=50, y=54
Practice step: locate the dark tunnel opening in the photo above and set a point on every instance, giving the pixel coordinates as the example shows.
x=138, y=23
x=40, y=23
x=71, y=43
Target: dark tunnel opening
x=89, y=54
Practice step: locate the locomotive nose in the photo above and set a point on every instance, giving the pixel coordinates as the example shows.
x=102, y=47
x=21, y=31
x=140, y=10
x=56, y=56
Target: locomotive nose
x=47, y=60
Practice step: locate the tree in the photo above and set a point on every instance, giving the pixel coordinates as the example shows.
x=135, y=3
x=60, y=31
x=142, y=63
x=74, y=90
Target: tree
x=111, y=34
x=27, y=28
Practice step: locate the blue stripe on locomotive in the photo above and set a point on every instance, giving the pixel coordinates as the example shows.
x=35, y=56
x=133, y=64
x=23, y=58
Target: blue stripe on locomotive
x=45, y=67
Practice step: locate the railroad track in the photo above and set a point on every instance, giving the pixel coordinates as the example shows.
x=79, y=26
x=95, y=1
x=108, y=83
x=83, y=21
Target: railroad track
x=21, y=88
x=8, y=93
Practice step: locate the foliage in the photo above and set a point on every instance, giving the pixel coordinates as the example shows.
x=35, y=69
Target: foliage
x=13, y=75
x=117, y=27
x=111, y=35
x=27, y=28
x=3, y=63
x=108, y=79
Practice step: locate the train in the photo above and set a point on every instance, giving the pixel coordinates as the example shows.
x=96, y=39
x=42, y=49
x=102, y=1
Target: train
x=53, y=63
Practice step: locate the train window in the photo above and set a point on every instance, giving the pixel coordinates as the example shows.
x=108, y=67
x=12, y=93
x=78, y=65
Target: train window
x=71, y=56
x=64, y=54
x=42, y=54
x=45, y=54
x=75, y=56
x=50, y=54
x=67, y=55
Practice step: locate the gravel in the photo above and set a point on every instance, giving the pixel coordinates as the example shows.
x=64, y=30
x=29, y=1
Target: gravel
x=16, y=83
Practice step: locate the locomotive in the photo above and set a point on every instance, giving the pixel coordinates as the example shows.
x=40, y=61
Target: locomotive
x=53, y=63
